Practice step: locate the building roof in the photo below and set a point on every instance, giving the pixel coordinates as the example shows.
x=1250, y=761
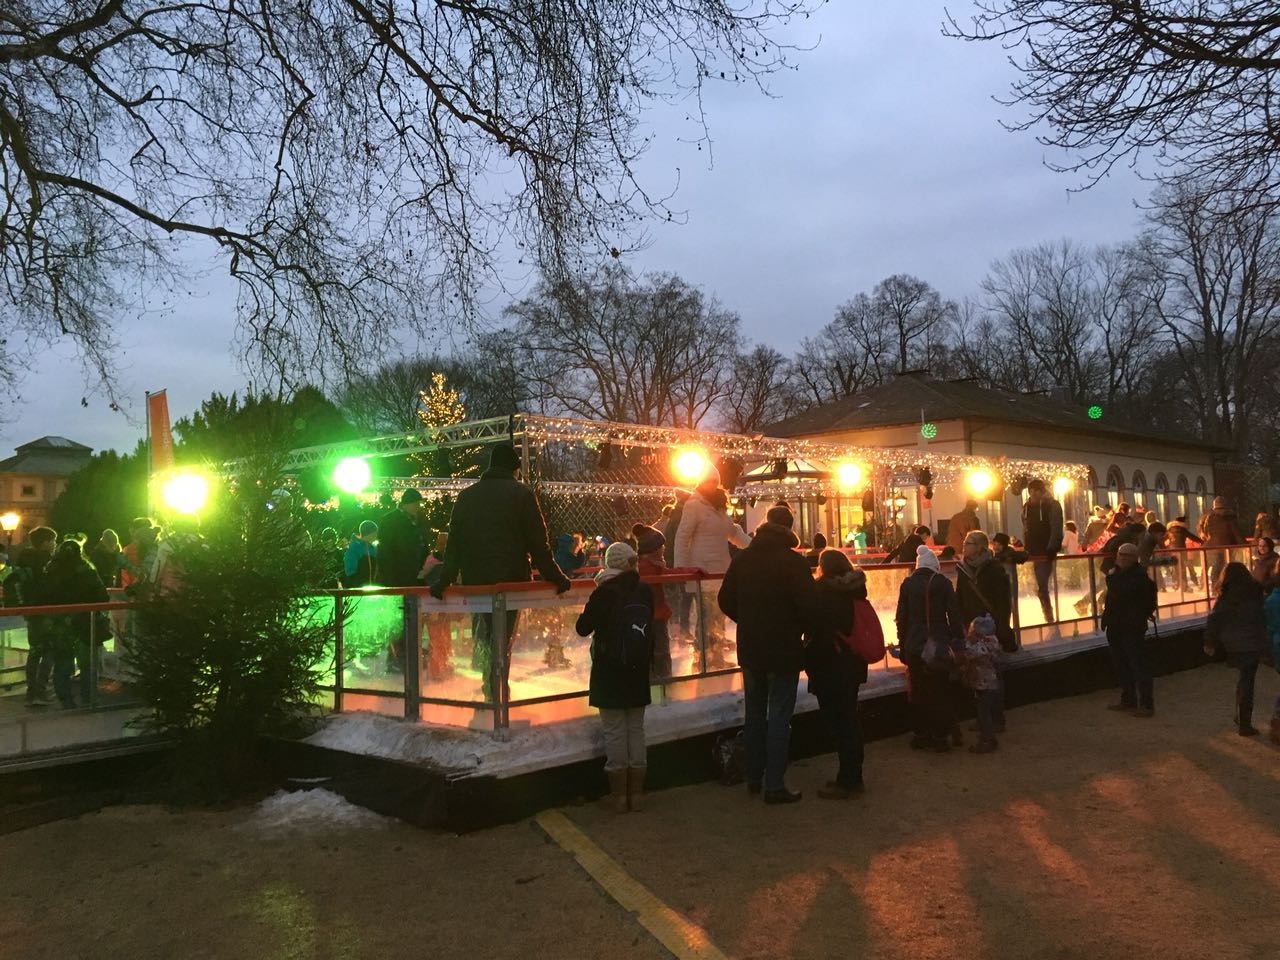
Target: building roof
x=911, y=398
x=47, y=457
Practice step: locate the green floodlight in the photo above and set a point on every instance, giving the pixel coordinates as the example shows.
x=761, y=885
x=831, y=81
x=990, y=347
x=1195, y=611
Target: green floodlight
x=351, y=475
x=1095, y=412
x=928, y=430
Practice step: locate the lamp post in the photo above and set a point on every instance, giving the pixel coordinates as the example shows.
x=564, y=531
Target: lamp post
x=9, y=523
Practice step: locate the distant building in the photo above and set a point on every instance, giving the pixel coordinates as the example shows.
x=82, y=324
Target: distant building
x=32, y=479
x=1170, y=474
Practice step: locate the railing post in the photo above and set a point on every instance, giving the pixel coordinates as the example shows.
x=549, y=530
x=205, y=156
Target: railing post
x=1011, y=574
x=1057, y=610
x=499, y=667
x=412, y=674
x=702, y=626
x=92, y=665
x=339, y=652
x=1093, y=593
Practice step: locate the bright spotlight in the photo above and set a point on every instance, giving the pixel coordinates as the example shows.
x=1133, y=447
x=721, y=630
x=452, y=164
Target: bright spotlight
x=351, y=475
x=185, y=492
x=1061, y=486
x=980, y=482
x=690, y=465
x=848, y=475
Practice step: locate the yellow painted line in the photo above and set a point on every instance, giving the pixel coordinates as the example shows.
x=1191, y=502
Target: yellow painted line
x=685, y=939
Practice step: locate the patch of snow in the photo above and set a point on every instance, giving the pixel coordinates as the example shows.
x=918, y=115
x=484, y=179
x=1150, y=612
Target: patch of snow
x=312, y=810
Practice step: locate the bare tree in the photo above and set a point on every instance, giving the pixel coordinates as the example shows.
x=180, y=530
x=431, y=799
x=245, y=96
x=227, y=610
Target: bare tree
x=1192, y=85
x=911, y=314
x=654, y=351
x=353, y=162
x=757, y=392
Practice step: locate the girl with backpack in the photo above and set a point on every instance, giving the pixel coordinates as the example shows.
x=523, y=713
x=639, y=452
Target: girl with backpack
x=846, y=636
x=618, y=615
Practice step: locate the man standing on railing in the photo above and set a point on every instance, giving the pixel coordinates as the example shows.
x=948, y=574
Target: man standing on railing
x=402, y=548
x=1221, y=529
x=496, y=527
x=1042, y=534
x=769, y=592
x=1131, y=601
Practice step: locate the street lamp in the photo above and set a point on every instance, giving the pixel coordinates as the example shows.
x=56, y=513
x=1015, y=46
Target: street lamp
x=9, y=523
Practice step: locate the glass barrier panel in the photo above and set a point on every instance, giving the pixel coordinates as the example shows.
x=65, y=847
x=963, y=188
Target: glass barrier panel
x=712, y=629
x=373, y=646
x=547, y=657
x=883, y=584
x=1075, y=602
x=1034, y=592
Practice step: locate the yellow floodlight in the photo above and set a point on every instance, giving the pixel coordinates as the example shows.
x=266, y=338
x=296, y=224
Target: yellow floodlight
x=980, y=482
x=1061, y=486
x=690, y=465
x=848, y=475
x=185, y=492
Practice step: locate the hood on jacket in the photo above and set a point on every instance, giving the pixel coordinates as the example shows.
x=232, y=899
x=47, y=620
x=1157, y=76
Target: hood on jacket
x=848, y=582
x=775, y=535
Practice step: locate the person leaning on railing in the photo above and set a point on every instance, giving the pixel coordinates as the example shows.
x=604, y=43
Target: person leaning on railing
x=70, y=579
x=495, y=529
x=28, y=581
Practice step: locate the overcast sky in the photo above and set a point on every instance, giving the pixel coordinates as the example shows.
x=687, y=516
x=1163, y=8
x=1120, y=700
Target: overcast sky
x=881, y=154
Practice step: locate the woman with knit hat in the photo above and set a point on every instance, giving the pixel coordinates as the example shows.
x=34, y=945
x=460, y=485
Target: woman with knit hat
x=617, y=616
x=928, y=611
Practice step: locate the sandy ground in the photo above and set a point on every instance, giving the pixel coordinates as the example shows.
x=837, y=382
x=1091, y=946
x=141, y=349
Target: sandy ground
x=1089, y=834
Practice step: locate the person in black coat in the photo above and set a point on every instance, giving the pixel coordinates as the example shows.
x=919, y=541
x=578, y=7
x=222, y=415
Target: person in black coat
x=835, y=671
x=768, y=591
x=71, y=579
x=927, y=610
x=495, y=528
x=619, y=686
x=1042, y=533
x=905, y=552
x=1131, y=600
x=982, y=587
x=28, y=583
x=1238, y=627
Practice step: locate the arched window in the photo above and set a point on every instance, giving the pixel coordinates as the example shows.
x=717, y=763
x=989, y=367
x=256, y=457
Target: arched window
x=1115, y=486
x=1183, y=490
x=1092, y=494
x=1162, y=497
x=1140, y=503
x=1203, y=503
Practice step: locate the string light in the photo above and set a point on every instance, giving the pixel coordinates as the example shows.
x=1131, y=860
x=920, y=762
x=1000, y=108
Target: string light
x=848, y=475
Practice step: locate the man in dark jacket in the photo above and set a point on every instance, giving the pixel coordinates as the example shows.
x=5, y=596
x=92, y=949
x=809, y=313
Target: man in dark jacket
x=402, y=543
x=927, y=610
x=495, y=529
x=962, y=523
x=1131, y=600
x=769, y=592
x=29, y=579
x=905, y=552
x=1042, y=534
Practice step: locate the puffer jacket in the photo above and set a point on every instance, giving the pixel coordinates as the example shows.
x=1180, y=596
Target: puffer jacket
x=703, y=537
x=927, y=608
x=1131, y=599
x=768, y=592
x=1222, y=528
x=673, y=527
x=614, y=686
x=1237, y=623
x=832, y=667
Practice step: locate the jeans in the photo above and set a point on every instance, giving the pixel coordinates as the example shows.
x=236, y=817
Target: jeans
x=1043, y=570
x=990, y=708
x=770, y=702
x=839, y=710
x=482, y=650
x=39, y=656
x=1129, y=660
x=623, y=738
x=68, y=653
x=930, y=698
x=1247, y=665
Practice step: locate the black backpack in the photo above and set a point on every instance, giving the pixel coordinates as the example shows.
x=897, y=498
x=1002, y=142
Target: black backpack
x=627, y=643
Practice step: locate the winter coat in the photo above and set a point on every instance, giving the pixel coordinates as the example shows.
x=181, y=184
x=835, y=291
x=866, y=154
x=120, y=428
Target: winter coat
x=495, y=530
x=673, y=527
x=1070, y=542
x=834, y=669
x=959, y=527
x=567, y=559
x=1222, y=528
x=1095, y=529
x=1263, y=568
x=359, y=564
x=983, y=587
x=927, y=608
x=1008, y=555
x=905, y=552
x=1237, y=623
x=1266, y=526
x=72, y=583
x=1131, y=600
x=25, y=585
x=768, y=592
x=1042, y=527
x=402, y=546
x=702, y=540
x=1272, y=609
x=648, y=568
x=978, y=665
x=614, y=686
x=106, y=564
x=1129, y=533
x=1179, y=534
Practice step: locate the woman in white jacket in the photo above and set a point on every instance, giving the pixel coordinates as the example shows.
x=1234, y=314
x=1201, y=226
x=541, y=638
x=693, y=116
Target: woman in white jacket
x=702, y=542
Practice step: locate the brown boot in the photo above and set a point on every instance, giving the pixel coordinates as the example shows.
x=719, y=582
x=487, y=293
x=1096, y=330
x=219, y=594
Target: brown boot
x=618, y=790
x=635, y=788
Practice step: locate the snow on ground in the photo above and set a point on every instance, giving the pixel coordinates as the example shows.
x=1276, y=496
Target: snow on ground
x=312, y=810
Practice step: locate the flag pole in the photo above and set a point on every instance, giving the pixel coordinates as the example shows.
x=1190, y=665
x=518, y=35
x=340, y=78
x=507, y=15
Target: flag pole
x=147, y=404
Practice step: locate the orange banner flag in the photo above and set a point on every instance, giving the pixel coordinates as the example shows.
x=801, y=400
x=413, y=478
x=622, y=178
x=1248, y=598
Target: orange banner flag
x=159, y=433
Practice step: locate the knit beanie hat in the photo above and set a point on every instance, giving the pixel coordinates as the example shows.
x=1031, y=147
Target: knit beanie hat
x=503, y=457
x=925, y=558
x=648, y=539
x=983, y=626
x=617, y=559
x=781, y=514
